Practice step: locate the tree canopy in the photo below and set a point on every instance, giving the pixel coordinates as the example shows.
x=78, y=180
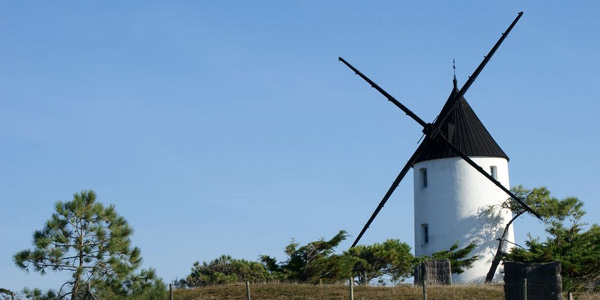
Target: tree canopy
x=459, y=257
x=577, y=249
x=391, y=258
x=92, y=243
x=225, y=269
x=317, y=262
x=313, y=262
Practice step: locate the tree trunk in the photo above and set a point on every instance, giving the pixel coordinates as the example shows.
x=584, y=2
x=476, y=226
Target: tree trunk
x=75, y=290
x=363, y=278
x=499, y=253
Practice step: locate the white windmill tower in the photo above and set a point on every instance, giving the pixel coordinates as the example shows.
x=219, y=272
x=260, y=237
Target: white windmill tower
x=455, y=170
x=453, y=203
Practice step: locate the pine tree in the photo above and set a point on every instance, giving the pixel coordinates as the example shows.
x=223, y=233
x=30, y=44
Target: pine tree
x=313, y=263
x=577, y=250
x=86, y=239
x=391, y=257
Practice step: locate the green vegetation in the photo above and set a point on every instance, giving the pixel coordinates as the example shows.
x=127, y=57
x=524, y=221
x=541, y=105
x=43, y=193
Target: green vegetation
x=225, y=270
x=37, y=294
x=391, y=258
x=92, y=243
x=577, y=249
x=316, y=262
x=459, y=258
x=312, y=263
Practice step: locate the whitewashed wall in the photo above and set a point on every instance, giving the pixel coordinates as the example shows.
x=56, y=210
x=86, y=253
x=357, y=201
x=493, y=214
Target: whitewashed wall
x=455, y=205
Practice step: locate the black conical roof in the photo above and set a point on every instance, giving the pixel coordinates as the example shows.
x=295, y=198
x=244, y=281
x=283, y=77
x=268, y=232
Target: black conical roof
x=464, y=129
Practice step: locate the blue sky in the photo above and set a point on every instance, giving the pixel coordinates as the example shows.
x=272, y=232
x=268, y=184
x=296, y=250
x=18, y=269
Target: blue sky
x=229, y=127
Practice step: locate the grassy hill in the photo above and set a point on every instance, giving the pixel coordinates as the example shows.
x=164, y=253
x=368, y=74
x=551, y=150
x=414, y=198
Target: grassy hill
x=285, y=291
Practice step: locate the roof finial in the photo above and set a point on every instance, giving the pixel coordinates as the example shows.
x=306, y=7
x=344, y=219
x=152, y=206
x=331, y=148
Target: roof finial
x=454, y=67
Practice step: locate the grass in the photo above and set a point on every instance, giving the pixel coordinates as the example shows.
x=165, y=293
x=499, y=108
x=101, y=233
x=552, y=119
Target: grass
x=291, y=291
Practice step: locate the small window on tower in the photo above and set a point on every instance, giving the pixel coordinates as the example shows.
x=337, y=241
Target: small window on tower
x=425, y=229
x=423, y=172
x=494, y=172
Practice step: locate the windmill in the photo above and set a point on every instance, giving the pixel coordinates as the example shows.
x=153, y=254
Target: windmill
x=456, y=141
